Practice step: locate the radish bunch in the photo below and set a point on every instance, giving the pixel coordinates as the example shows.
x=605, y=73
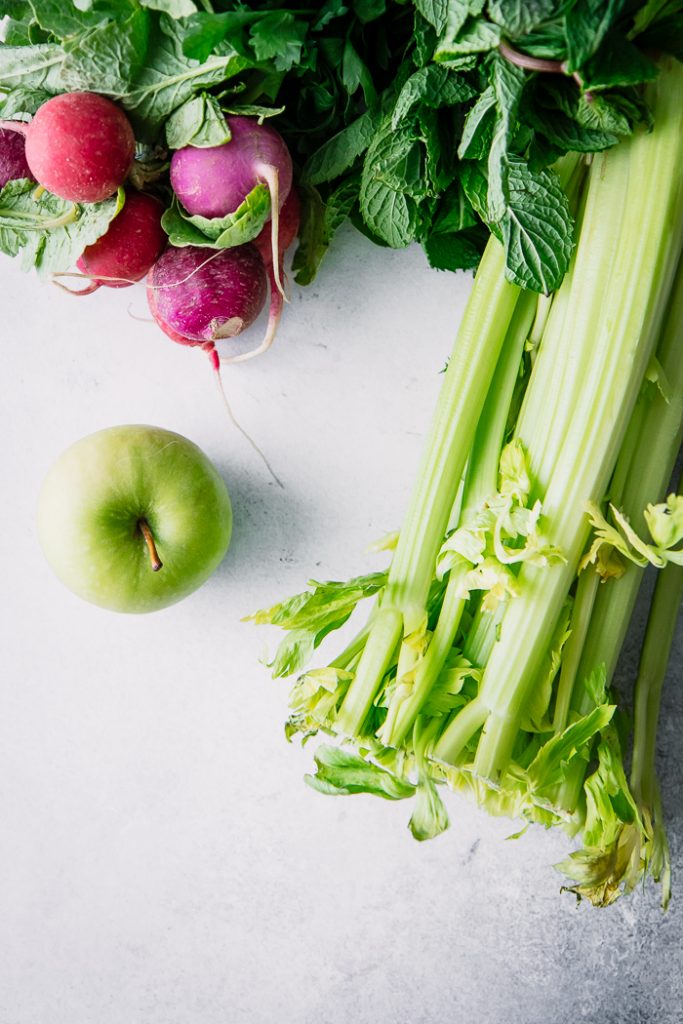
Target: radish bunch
x=80, y=146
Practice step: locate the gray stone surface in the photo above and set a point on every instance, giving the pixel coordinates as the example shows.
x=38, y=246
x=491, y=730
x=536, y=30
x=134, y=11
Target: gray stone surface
x=161, y=860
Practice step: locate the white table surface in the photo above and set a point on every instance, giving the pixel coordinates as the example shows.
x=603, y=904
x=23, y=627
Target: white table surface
x=161, y=860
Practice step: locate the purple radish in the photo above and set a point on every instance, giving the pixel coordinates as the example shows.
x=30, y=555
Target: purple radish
x=214, y=182
x=12, y=157
x=198, y=296
x=203, y=295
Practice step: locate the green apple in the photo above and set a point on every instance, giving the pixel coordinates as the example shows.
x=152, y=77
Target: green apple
x=134, y=518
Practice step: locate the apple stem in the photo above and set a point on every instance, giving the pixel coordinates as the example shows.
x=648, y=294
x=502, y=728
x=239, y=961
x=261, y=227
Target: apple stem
x=144, y=529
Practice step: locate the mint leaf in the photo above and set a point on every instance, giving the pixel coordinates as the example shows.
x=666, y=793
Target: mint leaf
x=537, y=228
x=219, y=232
x=454, y=212
x=507, y=82
x=651, y=12
x=439, y=163
x=586, y=24
x=341, y=772
x=516, y=17
x=355, y=74
x=565, y=134
x=435, y=12
x=476, y=187
x=391, y=170
x=460, y=250
x=476, y=37
x=478, y=127
x=339, y=153
x=198, y=122
x=435, y=86
x=319, y=222
x=617, y=63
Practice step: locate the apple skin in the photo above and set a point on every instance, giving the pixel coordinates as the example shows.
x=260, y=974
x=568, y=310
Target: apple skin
x=95, y=496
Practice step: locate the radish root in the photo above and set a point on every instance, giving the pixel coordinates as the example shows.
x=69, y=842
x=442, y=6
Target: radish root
x=272, y=179
x=216, y=363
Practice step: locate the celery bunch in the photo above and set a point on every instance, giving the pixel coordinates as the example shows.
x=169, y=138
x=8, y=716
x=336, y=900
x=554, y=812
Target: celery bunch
x=487, y=660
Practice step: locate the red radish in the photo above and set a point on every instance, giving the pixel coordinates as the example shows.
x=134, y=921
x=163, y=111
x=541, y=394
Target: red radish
x=12, y=157
x=214, y=182
x=129, y=248
x=79, y=146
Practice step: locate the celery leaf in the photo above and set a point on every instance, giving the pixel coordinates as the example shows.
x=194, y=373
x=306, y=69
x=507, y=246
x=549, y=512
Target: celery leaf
x=341, y=772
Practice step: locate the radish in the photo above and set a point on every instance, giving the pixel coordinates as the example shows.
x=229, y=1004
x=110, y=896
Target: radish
x=202, y=295
x=12, y=157
x=213, y=182
x=129, y=248
x=198, y=296
x=79, y=146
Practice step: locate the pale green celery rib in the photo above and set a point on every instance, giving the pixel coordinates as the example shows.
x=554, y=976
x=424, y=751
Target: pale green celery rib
x=584, y=600
x=471, y=367
x=560, y=362
x=643, y=473
x=482, y=475
x=481, y=483
x=614, y=349
x=354, y=647
x=654, y=660
x=482, y=635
